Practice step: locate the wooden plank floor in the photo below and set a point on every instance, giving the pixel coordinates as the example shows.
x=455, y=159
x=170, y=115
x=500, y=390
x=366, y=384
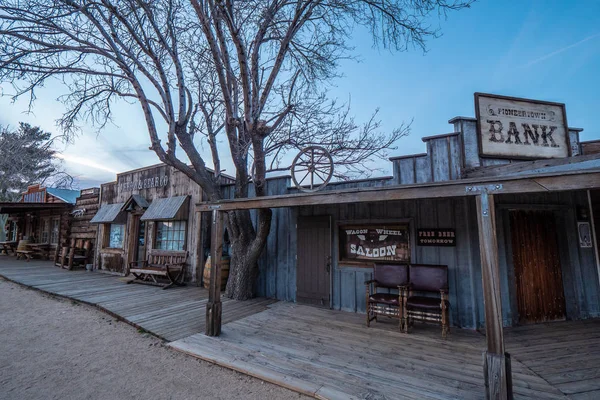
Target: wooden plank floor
x=565, y=354
x=332, y=354
x=171, y=314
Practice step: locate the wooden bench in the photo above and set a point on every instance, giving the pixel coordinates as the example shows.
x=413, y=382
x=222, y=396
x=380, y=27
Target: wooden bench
x=9, y=246
x=169, y=264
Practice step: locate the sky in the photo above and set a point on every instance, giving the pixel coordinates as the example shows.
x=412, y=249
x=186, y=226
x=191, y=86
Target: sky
x=545, y=50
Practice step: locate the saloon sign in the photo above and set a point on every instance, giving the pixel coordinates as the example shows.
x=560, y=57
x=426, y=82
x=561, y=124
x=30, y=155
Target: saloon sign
x=373, y=243
x=508, y=127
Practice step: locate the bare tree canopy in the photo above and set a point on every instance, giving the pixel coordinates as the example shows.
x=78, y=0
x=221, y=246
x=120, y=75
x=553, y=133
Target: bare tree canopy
x=250, y=74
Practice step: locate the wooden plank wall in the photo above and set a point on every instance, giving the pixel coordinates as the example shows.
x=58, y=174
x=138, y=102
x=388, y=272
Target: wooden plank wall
x=81, y=229
x=277, y=266
x=580, y=277
x=178, y=185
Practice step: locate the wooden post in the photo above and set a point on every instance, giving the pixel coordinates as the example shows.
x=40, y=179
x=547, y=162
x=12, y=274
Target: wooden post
x=496, y=363
x=593, y=226
x=213, y=307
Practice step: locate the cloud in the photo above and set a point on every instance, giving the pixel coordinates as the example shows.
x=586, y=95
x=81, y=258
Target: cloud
x=86, y=162
x=562, y=49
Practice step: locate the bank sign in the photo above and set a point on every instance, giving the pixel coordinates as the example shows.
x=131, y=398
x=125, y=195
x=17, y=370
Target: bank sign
x=509, y=127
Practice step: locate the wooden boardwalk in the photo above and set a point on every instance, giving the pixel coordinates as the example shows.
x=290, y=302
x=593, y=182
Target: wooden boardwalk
x=332, y=354
x=169, y=314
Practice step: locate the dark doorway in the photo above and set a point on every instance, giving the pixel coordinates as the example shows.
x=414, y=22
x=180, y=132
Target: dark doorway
x=538, y=273
x=140, y=253
x=314, y=261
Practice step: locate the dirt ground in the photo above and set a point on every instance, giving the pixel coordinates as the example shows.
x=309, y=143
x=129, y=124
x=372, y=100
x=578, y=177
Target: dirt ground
x=52, y=348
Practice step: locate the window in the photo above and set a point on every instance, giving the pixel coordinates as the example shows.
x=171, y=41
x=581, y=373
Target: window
x=116, y=233
x=170, y=235
x=12, y=231
x=45, y=230
x=55, y=230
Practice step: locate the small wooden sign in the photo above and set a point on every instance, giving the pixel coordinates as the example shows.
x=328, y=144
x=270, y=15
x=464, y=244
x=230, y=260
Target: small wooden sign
x=436, y=237
x=509, y=127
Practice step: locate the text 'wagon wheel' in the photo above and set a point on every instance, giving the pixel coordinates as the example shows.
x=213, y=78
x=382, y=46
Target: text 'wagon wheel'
x=312, y=169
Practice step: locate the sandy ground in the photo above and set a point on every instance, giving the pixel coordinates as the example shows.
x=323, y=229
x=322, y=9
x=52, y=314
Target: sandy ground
x=58, y=349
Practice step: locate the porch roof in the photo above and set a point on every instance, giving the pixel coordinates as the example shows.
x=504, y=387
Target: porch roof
x=14, y=208
x=109, y=213
x=587, y=177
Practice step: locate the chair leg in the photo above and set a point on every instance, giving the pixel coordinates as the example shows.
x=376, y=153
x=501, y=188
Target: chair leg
x=368, y=315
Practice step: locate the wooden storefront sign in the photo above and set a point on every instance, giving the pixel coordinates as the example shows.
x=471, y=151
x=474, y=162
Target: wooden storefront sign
x=509, y=127
x=374, y=243
x=436, y=237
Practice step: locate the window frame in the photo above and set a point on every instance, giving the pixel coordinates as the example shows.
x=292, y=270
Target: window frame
x=54, y=240
x=108, y=228
x=170, y=236
x=45, y=230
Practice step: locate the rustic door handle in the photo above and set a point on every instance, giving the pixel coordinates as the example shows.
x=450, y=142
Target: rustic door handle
x=328, y=263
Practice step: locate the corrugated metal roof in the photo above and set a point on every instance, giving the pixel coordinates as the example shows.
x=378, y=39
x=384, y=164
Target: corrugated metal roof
x=163, y=209
x=109, y=213
x=66, y=195
x=138, y=200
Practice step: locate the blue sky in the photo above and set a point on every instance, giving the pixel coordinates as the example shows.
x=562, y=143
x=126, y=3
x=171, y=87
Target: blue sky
x=546, y=50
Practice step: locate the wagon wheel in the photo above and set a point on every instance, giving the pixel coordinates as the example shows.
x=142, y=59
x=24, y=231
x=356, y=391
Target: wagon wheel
x=313, y=168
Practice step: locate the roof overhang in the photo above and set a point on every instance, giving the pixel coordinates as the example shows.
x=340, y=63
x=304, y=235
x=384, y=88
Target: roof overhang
x=166, y=209
x=540, y=182
x=109, y=214
x=14, y=208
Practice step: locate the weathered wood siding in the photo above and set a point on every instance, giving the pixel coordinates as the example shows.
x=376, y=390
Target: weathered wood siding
x=278, y=264
x=580, y=277
x=178, y=185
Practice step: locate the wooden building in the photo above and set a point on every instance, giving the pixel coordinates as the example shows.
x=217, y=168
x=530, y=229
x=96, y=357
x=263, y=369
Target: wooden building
x=306, y=258
x=149, y=208
x=43, y=215
x=508, y=201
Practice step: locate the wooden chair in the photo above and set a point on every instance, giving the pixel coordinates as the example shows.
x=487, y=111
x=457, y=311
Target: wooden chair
x=387, y=277
x=419, y=304
x=23, y=250
x=79, y=254
x=169, y=264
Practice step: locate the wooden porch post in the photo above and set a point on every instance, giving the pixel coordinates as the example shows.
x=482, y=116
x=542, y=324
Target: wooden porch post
x=213, y=307
x=496, y=363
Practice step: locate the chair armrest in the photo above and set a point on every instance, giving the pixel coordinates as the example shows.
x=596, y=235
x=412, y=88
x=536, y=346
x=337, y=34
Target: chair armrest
x=370, y=281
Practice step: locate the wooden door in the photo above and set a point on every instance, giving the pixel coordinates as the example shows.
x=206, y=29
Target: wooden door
x=314, y=261
x=538, y=273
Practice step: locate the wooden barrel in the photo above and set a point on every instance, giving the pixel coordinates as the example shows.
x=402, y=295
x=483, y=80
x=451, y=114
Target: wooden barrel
x=224, y=272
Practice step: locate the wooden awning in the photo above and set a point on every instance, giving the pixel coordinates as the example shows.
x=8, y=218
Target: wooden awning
x=110, y=214
x=528, y=183
x=135, y=200
x=15, y=208
x=169, y=208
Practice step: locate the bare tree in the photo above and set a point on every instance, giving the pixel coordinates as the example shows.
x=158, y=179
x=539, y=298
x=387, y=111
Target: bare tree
x=252, y=72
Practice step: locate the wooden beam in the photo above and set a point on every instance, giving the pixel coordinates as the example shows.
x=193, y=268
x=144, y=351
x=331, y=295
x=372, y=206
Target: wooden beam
x=214, y=307
x=498, y=380
x=594, y=236
x=577, y=180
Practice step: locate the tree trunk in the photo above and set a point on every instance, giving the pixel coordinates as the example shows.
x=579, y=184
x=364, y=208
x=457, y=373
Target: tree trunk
x=246, y=248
